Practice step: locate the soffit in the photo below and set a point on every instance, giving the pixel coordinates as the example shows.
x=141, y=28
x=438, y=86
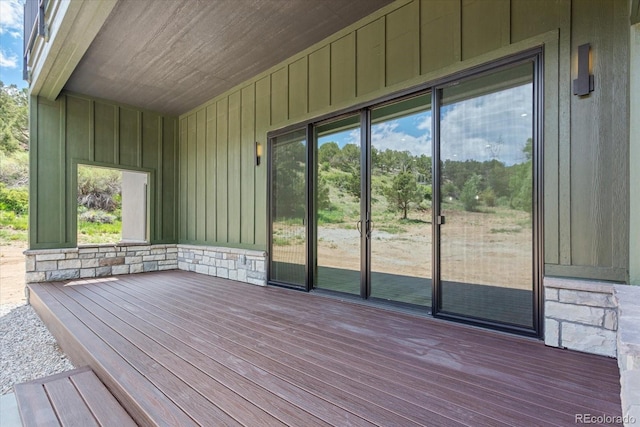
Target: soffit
x=171, y=56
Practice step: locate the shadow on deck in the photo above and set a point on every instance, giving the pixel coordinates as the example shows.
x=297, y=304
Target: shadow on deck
x=178, y=348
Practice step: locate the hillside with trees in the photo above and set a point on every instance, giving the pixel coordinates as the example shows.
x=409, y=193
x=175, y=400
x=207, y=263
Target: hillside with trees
x=14, y=163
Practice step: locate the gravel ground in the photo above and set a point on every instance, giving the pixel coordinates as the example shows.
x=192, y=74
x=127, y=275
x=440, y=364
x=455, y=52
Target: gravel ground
x=27, y=349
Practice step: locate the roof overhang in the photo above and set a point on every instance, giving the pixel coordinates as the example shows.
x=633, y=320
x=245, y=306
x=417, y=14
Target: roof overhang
x=635, y=11
x=172, y=56
x=70, y=29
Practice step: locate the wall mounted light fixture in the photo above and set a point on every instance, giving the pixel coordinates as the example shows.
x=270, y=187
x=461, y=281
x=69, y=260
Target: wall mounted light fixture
x=258, y=153
x=583, y=85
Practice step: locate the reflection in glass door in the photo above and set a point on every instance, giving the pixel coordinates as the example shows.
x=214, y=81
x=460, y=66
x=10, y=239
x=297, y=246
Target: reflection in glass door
x=338, y=206
x=400, y=204
x=288, y=209
x=486, y=192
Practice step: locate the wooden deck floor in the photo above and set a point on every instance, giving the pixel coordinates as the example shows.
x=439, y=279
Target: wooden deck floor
x=179, y=348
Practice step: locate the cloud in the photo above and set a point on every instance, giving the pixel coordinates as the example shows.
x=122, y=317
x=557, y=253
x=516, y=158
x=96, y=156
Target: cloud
x=392, y=136
x=491, y=126
x=11, y=12
x=8, y=61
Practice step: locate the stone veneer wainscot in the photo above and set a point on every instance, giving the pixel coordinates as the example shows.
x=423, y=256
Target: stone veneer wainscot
x=580, y=315
x=47, y=265
x=243, y=265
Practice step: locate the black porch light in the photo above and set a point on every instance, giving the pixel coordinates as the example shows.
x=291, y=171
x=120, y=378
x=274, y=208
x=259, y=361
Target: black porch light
x=583, y=85
x=258, y=153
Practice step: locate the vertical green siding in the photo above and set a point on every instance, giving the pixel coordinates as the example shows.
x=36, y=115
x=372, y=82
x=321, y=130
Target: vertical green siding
x=129, y=139
x=233, y=169
x=319, y=79
x=167, y=192
x=371, y=57
x=79, y=130
x=211, y=173
x=184, y=181
x=298, y=88
x=247, y=171
x=410, y=43
x=105, y=133
x=49, y=177
x=440, y=33
x=192, y=198
x=343, y=69
x=485, y=26
x=279, y=96
x=222, y=206
x=201, y=176
x=532, y=17
x=403, y=43
x=599, y=143
x=260, y=180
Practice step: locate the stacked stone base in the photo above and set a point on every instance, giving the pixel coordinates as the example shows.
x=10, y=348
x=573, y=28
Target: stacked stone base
x=49, y=265
x=627, y=298
x=580, y=315
x=236, y=264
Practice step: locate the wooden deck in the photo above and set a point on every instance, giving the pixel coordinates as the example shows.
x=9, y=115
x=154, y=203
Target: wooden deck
x=74, y=398
x=179, y=348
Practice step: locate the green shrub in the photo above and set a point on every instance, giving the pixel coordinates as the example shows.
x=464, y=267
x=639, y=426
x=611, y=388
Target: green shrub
x=99, y=188
x=469, y=194
x=489, y=197
x=10, y=220
x=330, y=216
x=97, y=216
x=14, y=200
x=14, y=169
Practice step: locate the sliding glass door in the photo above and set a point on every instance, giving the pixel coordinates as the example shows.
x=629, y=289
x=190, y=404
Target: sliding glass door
x=400, y=202
x=428, y=200
x=288, y=164
x=486, y=191
x=337, y=193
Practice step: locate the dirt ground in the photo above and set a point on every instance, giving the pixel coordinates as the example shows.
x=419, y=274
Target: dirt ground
x=12, y=273
x=480, y=248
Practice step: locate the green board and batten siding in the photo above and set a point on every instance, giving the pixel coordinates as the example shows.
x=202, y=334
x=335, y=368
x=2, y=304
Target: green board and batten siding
x=222, y=194
x=75, y=130
x=414, y=42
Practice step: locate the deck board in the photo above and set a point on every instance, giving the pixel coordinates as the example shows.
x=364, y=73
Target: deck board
x=74, y=398
x=214, y=349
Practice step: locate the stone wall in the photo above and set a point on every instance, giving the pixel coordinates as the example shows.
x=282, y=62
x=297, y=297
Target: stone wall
x=580, y=315
x=236, y=264
x=46, y=265
x=627, y=298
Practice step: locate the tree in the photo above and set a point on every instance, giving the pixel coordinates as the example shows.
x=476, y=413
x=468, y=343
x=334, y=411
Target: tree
x=353, y=184
x=520, y=184
x=322, y=194
x=403, y=192
x=328, y=153
x=469, y=195
x=14, y=119
x=349, y=157
x=289, y=182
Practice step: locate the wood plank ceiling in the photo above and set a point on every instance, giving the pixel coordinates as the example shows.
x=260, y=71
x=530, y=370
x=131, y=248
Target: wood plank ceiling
x=172, y=56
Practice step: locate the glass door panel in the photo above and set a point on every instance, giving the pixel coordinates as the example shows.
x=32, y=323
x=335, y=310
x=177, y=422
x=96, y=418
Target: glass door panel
x=288, y=209
x=486, y=189
x=400, y=211
x=338, y=206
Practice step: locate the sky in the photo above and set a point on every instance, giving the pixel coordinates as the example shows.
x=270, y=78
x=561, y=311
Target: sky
x=491, y=126
x=11, y=15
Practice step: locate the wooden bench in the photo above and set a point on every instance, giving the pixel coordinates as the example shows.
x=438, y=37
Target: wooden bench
x=73, y=398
